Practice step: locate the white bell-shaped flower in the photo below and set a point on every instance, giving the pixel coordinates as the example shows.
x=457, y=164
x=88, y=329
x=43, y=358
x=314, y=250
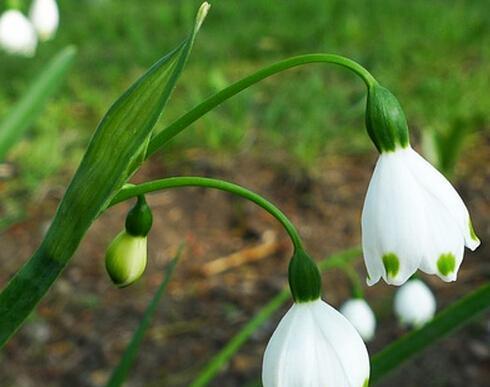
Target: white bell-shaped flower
x=17, y=35
x=415, y=304
x=315, y=346
x=413, y=219
x=361, y=316
x=44, y=15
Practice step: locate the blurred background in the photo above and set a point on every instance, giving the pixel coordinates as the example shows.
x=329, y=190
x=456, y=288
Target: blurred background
x=297, y=138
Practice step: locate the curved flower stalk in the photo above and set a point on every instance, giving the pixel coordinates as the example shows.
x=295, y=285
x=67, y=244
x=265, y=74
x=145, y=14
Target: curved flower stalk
x=361, y=316
x=415, y=303
x=17, y=35
x=44, y=15
x=412, y=218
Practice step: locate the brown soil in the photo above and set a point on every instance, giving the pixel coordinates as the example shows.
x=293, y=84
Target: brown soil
x=81, y=328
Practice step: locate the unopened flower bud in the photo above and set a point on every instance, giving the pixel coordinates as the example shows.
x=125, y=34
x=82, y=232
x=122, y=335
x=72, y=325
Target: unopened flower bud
x=44, y=16
x=17, y=35
x=415, y=304
x=127, y=254
x=126, y=258
x=361, y=316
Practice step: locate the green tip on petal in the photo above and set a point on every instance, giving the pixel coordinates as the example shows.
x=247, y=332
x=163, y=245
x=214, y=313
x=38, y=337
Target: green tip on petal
x=446, y=264
x=472, y=231
x=366, y=383
x=391, y=264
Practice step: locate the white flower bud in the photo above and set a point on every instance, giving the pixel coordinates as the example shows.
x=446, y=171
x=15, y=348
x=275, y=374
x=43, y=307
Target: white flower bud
x=361, y=316
x=17, y=35
x=126, y=259
x=44, y=16
x=413, y=219
x=415, y=304
x=314, y=345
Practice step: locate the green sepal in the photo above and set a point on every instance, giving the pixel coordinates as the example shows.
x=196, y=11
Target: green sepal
x=385, y=120
x=139, y=219
x=305, y=280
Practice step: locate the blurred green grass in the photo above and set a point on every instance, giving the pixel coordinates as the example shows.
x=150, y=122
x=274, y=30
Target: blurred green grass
x=434, y=55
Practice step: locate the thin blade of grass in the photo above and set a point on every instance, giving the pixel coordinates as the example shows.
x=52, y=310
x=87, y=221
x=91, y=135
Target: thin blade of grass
x=211, y=369
x=23, y=114
x=120, y=373
x=451, y=318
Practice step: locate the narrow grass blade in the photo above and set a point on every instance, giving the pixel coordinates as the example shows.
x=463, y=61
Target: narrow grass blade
x=212, y=368
x=23, y=114
x=453, y=317
x=116, y=149
x=120, y=373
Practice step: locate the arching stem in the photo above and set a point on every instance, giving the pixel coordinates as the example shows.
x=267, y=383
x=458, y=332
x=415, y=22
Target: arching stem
x=129, y=191
x=197, y=112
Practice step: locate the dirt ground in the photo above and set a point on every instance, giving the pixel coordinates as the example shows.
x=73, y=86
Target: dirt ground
x=81, y=328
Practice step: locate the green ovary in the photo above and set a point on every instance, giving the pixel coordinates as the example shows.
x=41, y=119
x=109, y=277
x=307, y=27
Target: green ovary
x=366, y=383
x=391, y=264
x=446, y=264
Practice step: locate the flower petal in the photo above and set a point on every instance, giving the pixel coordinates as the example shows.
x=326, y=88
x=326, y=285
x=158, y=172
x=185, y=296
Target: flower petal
x=441, y=189
x=346, y=342
x=392, y=221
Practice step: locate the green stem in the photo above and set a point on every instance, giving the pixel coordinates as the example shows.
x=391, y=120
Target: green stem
x=356, y=284
x=130, y=191
x=197, y=112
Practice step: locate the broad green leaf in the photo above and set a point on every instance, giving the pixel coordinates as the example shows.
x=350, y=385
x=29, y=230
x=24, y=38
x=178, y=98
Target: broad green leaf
x=117, y=146
x=218, y=361
x=453, y=317
x=120, y=373
x=23, y=114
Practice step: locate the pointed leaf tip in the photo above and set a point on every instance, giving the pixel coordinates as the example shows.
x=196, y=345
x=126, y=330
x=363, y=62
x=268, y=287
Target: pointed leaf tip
x=201, y=14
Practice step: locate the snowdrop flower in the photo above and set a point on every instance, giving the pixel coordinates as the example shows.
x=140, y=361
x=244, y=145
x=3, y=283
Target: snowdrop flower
x=126, y=256
x=314, y=345
x=44, y=16
x=415, y=304
x=361, y=316
x=17, y=35
x=412, y=218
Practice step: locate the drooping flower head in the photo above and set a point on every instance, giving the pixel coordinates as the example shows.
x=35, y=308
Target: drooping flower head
x=313, y=345
x=44, y=15
x=126, y=256
x=415, y=304
x=412, y=218
x=17, y=35
x=361, y=316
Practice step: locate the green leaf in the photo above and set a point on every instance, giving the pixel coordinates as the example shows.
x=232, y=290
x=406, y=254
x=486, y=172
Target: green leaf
x=218, y=361
x=453, y=317
x=120, y=373
x=24, y=113
x=114, y=152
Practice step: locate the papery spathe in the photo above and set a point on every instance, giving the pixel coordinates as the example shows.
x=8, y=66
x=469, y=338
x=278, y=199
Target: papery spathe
x=361, y=316
x=17, y=35
x=413, y=219
x=415, y=303
x=314, y=345
x=44, y=15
